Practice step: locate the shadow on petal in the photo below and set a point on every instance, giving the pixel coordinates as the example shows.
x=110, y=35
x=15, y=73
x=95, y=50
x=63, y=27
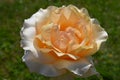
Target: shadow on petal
x=83, y=68
x=35, y=65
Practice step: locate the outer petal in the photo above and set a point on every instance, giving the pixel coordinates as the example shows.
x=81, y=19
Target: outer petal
x=83, y=67
x=99, y=33
x=35, y=65
x=27, y=34
x=28, y=31
x=47, y=18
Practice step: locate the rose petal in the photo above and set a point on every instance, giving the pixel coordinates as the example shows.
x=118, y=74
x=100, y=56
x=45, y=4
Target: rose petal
x=99, y=33
x=54, y=14
x=67, y=12
x=35, y=65
x=41, y=19
x=72, y=56
x=46, y=32
x=41, y=15
x=84, y=10
x=63, y=55
x=28, y=33
x=83, y=67
x=27, y=45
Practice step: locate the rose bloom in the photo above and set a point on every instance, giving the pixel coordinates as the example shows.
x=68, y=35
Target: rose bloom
x=58, y=40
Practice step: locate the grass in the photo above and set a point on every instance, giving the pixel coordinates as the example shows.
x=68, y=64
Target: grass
x=12, y=15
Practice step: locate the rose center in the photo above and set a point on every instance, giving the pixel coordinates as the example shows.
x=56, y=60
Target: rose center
x=66, y=40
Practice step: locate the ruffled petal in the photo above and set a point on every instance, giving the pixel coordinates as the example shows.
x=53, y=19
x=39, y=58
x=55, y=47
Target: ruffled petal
x=28, y=34
x=36, y=64
x=99, y=33
x=28, y=31
x=48, y=16
x=83, y=67
x=84, y=10
x=66, y=56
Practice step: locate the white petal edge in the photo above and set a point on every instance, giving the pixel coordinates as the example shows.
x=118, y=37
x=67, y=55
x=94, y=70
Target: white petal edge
x=84, y=10
x=28, y=30
x=100, y=34
x=82, y=68
x=35, y=66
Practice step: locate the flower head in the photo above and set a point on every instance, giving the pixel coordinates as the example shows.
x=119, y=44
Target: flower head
x=61, y=39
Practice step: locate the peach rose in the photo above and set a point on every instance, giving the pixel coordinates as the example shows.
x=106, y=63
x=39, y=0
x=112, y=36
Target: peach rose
x=59, y=40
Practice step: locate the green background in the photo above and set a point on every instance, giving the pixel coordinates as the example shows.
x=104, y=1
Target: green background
x=12, y=15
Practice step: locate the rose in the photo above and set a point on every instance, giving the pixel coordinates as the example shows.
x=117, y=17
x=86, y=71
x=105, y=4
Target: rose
x=57, y=40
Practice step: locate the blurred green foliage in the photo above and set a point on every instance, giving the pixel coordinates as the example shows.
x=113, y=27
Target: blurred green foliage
x=12, y=15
